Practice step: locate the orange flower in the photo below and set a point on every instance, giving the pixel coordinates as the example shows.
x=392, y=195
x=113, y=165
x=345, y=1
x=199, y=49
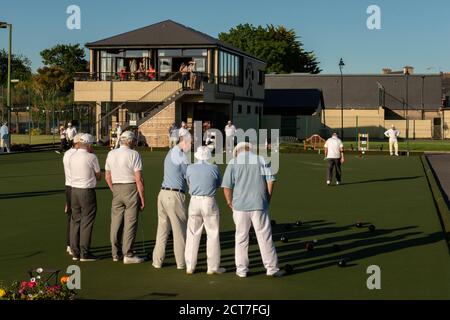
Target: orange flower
x=64, y=279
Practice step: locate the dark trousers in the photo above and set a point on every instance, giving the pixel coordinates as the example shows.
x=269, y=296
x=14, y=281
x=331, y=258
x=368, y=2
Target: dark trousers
x=68, y=212
x=334, y=164
x=184, y=80
x=63, y=145
x=84, y=209
x=69, y=143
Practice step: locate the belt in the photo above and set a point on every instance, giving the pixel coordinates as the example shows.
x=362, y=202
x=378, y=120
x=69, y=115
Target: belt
x=121, y=184
x=171, y=189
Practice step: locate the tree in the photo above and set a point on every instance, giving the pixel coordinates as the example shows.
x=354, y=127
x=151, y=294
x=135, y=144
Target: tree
x=277, y=46
x=69, y=58
x=20, y=67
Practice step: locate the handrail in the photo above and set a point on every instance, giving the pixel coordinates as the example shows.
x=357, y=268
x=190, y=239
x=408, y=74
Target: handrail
x=140, y=99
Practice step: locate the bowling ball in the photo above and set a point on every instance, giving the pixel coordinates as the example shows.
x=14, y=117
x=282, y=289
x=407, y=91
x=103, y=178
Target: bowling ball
x=284, y=239
x=298, y=223
x=359, y=224
x=342, y=263
x=309, y=246
x=372, y=228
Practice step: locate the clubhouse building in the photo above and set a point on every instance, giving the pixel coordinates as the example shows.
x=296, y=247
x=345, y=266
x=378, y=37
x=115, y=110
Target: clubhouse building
x=135, y=79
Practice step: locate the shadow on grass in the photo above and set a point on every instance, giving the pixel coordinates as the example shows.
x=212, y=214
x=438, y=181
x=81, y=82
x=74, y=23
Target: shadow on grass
x=382, y=180
x=36, y=193
x=355, y=244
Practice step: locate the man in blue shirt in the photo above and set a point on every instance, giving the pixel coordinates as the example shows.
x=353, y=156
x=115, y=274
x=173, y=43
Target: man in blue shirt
x=203, y=179
x=171, y=204
x=248, y=184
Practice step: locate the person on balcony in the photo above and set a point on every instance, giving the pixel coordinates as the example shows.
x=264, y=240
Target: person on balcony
x=123, y=74
x=140, y=71
x=151, y=73
x=184, y=69
x=192, y=75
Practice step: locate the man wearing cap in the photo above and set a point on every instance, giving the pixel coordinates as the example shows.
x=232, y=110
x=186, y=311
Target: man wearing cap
x=203, y=179
x=171, y=204
x=392, y=134
x=4, y=138
x=85, y=172
x=118, y=134
x=334, y=153
x=70, y=134
x=123, y=174
x=230, y=132
x=248, y=184
x=173, y=135
x=68, y=207
x=183, y=130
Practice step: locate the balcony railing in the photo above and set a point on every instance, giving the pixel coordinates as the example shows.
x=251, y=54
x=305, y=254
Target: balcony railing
x=139, y=76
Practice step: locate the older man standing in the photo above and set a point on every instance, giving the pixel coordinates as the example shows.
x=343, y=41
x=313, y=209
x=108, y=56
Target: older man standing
x=248, y=184
x=4, y=138
x=173, y=135
x=123, y=174
x=334, y=153
x=68, y=207
x=392, y=134
x=172, y=204
x=230, y=132
x=203, y=179
x=118, y=134
x=70, y=134
x=183, y=130
x=85, y=172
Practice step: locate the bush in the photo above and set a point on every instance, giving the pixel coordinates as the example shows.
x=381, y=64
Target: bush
x=36, y=132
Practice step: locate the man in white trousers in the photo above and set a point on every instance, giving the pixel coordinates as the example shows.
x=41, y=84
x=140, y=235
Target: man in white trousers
x=203, y=179
x=392, y=134
x=248, y=184
x=230, y=132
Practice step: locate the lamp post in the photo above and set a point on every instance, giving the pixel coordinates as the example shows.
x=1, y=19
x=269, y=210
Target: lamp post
x=341, y=65
x=5, y=25
x=406, y=72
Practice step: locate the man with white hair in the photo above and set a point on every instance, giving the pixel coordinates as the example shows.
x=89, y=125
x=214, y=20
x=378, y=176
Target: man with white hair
x=4, y=138
x=203, y=179
x=334, y=153
x=70, y=134
x=123, y=174
x=172, y=204
x=248, y=185
x=85, y=173
x=392, y=134
x=68, y=207
x=183, y=130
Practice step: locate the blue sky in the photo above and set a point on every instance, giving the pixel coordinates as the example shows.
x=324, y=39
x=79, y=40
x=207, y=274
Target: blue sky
x=413, y=33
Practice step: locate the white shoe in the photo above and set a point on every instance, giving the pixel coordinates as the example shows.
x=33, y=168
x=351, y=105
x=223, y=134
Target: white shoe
x=181, y=268
x=277, y=274
x=328, y=182
x=190, y=271
x=132, y=260
x=218, y=271
x=156, y=266
x=69, y=251
x=241, y=275
x=58, y=152
x=338, y=183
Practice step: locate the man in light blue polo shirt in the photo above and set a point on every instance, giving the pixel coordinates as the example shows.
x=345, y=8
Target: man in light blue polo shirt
x=248, y=184
x=171, y=204
x=203, y=179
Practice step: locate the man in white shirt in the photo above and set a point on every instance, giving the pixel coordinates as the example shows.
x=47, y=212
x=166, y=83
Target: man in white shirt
x=183, y=130
x=392, y=134
x=173, y=135
x=85, y=173
x=334, y=153
x=68, y=207
x=118, y=134
x=123, y=174
x=4, y=138
x=70, y=134
x=230, y=132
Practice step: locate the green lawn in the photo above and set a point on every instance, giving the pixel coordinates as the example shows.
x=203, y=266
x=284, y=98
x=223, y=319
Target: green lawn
x=25, y=139
x=391, y=193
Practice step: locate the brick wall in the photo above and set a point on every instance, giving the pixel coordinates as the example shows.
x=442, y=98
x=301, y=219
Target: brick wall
x=156, y=129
